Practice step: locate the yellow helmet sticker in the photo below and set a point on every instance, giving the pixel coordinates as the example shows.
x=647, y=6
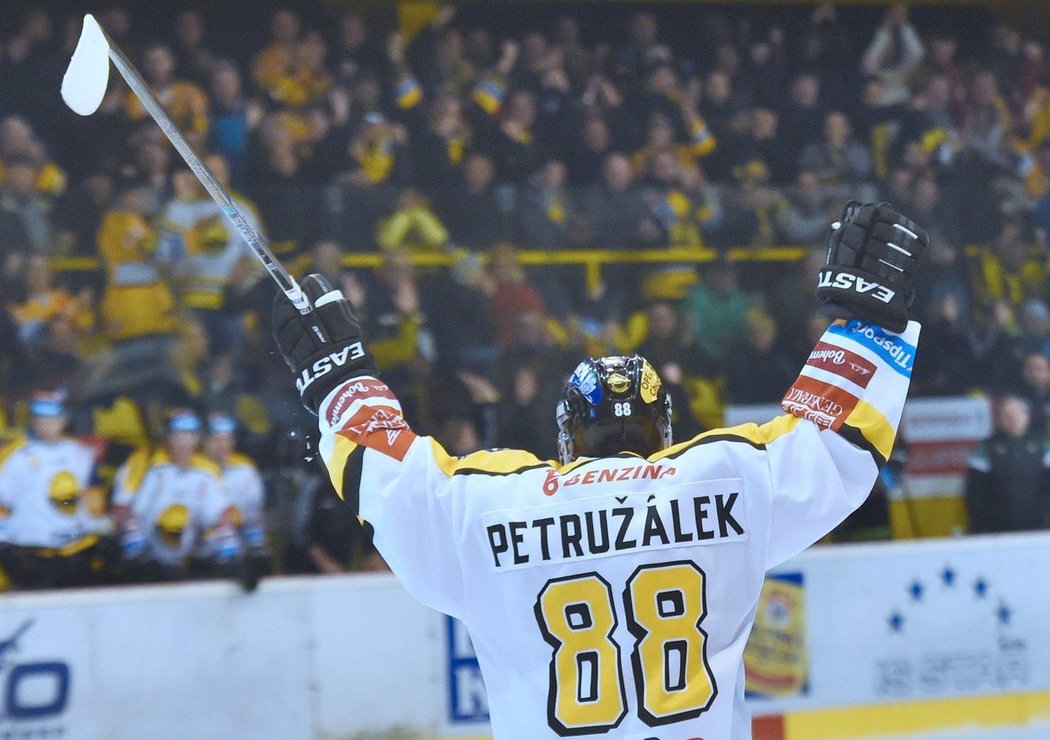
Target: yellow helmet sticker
x=171, y=522
x=619, y=383
x=650, y=384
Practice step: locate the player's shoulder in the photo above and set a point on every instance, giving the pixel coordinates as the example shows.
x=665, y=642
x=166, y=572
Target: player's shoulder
x=155, y=459
x=205, y=465
x=72, y=451
x=491, y=462
x=11, y=446
x=240, y=461
x=75, y=446
x=131, y=472
x=756, y=436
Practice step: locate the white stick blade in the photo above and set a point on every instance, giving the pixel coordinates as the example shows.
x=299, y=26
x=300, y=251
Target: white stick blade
x=84, y=84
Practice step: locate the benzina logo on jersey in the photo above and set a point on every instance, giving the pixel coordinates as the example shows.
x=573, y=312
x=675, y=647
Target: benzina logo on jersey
x=606, y=475
x=361, y=388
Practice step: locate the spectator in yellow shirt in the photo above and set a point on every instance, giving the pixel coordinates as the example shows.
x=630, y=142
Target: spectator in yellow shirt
x=412, y=226
x=136, y=300
x=1012, y=270
x=304, y=79
x=270, y=64
x=44, y=302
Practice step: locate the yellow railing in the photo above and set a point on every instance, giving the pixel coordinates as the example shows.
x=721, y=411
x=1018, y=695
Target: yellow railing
x=591, y=260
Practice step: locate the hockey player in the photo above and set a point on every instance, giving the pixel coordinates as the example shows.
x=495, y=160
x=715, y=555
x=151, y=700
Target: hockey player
x=242, y=485
x=51, y=519
x=213, y=252
x=178, y=515
x=612, y=593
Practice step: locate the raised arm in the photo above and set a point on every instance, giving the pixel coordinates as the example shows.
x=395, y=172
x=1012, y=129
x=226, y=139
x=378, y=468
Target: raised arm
x=847, y=402
x=403, y=484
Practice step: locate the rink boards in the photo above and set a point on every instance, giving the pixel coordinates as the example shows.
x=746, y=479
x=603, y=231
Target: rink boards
x=939, y=638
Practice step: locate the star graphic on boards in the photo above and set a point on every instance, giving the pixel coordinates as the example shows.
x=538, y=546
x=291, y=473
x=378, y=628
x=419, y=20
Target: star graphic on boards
x=980, y=587
x=896, y=622
x=915, y=589
x=948, y=576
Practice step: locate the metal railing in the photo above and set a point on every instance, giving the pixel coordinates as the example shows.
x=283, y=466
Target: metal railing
x=592, y=260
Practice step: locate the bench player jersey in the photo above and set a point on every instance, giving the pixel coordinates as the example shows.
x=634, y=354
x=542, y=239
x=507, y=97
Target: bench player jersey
x=613, y=597
x=41, y=492
x=178, y=508
x=243, y=487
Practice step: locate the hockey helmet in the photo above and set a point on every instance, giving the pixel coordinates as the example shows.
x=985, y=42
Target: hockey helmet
x=612, y=405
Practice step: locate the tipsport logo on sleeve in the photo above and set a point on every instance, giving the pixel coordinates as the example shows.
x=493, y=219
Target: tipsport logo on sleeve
x=890, y=348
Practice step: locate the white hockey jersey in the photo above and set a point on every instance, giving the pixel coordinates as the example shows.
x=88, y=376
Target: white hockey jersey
x=243, y=486
x=178, y=510
x=613, y=597
x=41, y=492
x=214, y=248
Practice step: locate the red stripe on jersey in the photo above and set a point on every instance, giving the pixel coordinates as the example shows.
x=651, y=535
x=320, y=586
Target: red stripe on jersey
x=824, y=404
x=362, y=388
x=842, y=362
x=380, y=428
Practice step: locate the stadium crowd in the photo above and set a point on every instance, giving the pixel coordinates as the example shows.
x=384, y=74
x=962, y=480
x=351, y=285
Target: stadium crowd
x=341, y=133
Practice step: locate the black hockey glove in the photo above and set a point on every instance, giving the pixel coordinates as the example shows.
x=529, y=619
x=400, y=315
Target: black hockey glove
x=323, y=348
x=873, y=255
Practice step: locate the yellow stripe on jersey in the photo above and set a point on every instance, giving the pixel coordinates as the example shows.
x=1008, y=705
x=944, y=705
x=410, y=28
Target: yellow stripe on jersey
x=509, y=462
x=204, y=299
x=486, y=462
x=337, y=463
x=88, y=540
x=572, y=465
x=138, y=463
x=239, y=458
x=873, y=426
x=755, y=434
x=200, y=461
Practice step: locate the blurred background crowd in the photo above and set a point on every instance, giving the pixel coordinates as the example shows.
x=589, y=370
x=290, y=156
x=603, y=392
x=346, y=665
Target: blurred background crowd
x=441, y=154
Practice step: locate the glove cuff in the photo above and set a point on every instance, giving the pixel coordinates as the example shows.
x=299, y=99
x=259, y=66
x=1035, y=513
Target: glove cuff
x=846, y=292
x=330, y=371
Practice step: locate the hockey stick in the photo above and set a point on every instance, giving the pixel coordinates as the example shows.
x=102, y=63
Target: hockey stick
x=84, y=86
